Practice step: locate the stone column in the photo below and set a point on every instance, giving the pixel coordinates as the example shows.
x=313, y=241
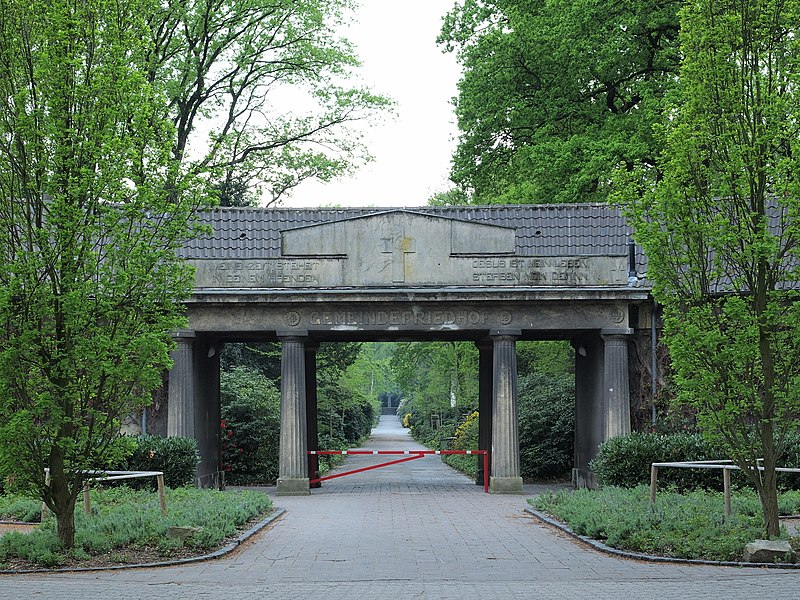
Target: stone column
x=616, y=388
x=293, y=463
x=505, y=477
x=485, y=390
x=311, y=410
x=181, y=404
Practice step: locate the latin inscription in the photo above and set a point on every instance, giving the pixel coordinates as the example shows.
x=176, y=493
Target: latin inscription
x=266, y=273
x=531, y=271
x=409, y=267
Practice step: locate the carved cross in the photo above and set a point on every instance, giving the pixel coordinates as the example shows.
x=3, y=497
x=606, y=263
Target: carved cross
x=398, y=245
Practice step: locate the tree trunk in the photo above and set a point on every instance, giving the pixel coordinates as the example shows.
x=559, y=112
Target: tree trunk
x=768, y=496
x=62, y=499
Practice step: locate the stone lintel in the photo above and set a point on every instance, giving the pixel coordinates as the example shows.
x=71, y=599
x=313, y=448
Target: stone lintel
x=293, y=486
x=505, y=485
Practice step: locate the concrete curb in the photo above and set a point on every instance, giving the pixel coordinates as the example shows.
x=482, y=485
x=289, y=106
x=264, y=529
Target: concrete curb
x=601, y=547
x=219, y=553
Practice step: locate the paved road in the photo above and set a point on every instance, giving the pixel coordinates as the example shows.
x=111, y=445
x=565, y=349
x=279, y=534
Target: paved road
x=416, y=530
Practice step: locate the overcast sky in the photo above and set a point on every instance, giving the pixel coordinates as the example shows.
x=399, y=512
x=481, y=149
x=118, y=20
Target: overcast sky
x=396, y=42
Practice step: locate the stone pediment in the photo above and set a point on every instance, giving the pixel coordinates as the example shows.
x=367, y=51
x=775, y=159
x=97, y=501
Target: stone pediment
x=406, y=249
x=395, y=231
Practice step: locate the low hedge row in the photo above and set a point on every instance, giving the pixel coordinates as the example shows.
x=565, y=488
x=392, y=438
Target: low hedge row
x=177, y=457
x=625, y=462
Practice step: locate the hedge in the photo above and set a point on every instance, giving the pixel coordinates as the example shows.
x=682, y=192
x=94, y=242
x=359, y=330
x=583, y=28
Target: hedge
x=625, y=461
x=177, y=457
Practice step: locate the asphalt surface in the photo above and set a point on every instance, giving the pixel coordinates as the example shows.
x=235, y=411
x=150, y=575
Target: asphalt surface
x=413, y=530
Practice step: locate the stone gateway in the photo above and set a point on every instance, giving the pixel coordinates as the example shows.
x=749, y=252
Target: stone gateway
x=488, y=275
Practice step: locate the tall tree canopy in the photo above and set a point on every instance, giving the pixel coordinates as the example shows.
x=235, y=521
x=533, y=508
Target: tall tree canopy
x=92, y=208
x=720, y=227
x=555, y=93
x=257, y=91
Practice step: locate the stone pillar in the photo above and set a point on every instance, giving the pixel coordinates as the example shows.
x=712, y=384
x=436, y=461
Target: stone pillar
x=293, y=461
x=616, y=405
x=311, y=410
x=181, y=404
x=505, y=477
x=602, y=396
x=485, y=390
x=207, y=412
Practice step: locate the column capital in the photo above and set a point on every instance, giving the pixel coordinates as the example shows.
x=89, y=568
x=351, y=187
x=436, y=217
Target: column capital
x=616, y=333
x=183, y=335
x=299, y=335
x=508, y=334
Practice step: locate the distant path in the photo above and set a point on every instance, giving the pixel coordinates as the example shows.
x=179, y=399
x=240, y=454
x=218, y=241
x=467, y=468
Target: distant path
x=418, y=530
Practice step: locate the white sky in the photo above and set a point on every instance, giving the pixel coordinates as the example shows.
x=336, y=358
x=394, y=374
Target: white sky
x=396, y=42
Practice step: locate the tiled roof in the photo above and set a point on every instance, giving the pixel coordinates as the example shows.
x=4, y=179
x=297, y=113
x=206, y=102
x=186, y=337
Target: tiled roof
x=542, y=230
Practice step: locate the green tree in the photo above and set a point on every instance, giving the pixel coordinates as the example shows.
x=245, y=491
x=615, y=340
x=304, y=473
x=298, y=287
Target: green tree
x=261, y=87
x=92, y=210
x=555, y=94
x=720, y=228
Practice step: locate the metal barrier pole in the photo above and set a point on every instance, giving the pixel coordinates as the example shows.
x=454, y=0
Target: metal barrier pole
x=485, y=471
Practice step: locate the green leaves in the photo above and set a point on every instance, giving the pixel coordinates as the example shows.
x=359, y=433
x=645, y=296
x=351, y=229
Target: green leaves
x=93, y=207
x=554, y=95
x=719, y=228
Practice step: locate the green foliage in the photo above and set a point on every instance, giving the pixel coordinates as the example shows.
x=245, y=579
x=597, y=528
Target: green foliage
x=93, y=208
x=546, y=424
x=218, y=61
x=14, y=507
x=625, y=461
x=684, y=526
x=124, y=518
x=718, y=221
x=555, y=94
x=250, y=426
x=439, y=383
x=176, y=457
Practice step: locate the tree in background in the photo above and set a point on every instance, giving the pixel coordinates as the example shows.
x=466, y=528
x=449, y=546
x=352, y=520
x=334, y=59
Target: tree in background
x=92, y=209
x=720, y=227
x=256, y=91
x=554, y=95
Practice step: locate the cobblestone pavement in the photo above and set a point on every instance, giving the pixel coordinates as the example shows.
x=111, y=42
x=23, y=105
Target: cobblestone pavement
x=415, y=530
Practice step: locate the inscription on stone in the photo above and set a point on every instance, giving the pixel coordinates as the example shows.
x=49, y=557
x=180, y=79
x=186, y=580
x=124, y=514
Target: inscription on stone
x=260, y=273
x=398, y=261
x=532, y=271
x=358, y=318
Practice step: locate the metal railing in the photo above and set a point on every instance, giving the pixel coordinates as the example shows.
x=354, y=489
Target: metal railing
x=726, y=465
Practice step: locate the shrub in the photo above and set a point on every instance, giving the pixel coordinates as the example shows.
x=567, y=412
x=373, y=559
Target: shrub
x=625, y=461
x=177, y=457
x=686, y=526
x=546, y=424
x=125, y=518
x=250, y=426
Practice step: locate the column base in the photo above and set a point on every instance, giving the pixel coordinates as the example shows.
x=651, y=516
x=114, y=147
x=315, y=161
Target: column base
x=505, y=485
x=584, y=478
x=293, y=487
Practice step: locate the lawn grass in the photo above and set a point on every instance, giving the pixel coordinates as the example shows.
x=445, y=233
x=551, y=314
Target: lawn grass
x=126, y=521
x=690, y=525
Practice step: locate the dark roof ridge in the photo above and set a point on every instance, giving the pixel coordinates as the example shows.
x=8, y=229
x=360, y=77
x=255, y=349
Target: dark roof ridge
x=384, y=209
